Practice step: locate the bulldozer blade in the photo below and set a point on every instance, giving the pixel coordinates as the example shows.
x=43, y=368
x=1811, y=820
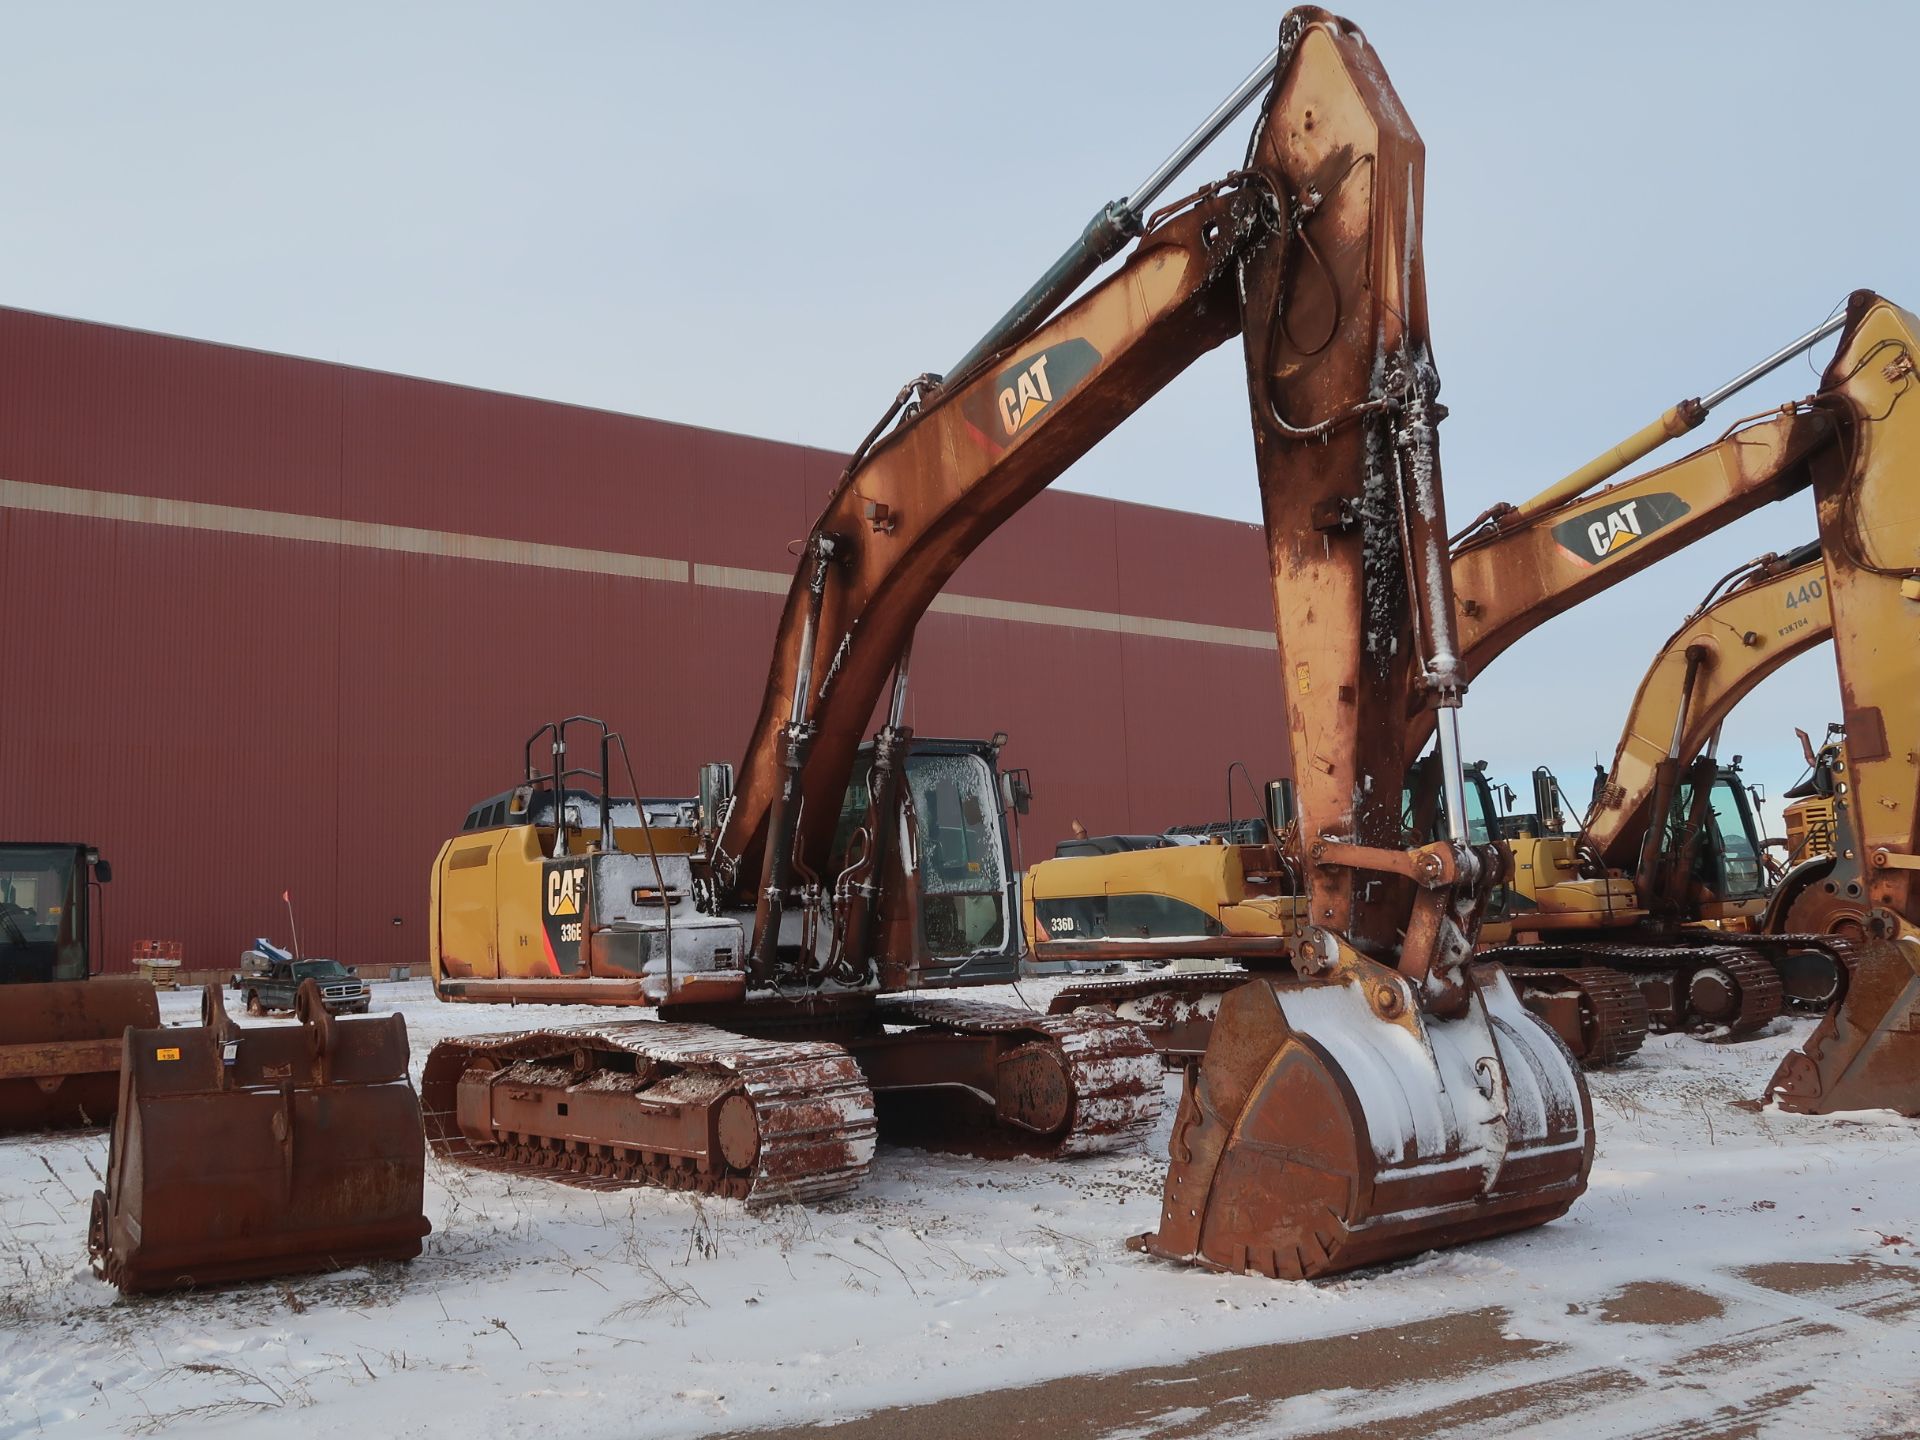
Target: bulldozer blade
x=245, y=1153
x=1332, y=1125
x=1865, y=1052
x=60, y=1049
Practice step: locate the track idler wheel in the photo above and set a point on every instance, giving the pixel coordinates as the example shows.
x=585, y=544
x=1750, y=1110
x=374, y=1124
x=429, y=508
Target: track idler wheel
x=1332, y=1125
x=1034, y=1091
x=1739, y=993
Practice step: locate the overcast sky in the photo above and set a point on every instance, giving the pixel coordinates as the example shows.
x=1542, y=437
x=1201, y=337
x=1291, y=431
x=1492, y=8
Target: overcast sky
x=764, y=218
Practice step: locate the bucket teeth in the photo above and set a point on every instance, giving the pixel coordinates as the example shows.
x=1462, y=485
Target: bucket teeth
x=1865, y=1052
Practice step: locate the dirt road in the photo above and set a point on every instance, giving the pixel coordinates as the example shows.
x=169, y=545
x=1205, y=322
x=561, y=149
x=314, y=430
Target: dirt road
x=1794, y=1348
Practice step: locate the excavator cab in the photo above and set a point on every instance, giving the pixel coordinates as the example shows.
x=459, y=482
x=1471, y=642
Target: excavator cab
x=1729, y=875
x=963, y=920
x=44, y=912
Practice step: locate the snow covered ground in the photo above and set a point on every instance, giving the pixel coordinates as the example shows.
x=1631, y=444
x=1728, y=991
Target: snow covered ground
x=542, y=1309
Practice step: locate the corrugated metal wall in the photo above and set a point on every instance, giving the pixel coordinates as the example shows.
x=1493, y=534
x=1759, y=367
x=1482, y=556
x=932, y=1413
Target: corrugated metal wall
x=230, y=714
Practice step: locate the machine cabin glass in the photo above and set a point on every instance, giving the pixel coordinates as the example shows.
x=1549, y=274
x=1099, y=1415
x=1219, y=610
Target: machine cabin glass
x=963, y=879
x=964, y=862
x=43, y=924
x=1728, y=861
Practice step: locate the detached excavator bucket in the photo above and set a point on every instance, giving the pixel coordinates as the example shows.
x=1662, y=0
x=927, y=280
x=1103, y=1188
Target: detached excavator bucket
x=1865, y=1052
x=1331, y=1125
x=60, y=1049
x=275, y=1150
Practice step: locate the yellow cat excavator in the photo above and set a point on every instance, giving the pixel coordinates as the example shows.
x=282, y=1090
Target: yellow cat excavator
x=1518, y=565
x=1669, y=845
x=1373, y=1092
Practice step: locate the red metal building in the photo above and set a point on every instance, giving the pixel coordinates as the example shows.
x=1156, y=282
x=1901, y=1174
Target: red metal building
x=273, y=624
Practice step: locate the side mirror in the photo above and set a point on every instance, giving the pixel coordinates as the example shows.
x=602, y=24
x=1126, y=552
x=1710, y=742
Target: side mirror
x=1280, y=809
x=1016, y=790
x=353, y=969
x=102, y=871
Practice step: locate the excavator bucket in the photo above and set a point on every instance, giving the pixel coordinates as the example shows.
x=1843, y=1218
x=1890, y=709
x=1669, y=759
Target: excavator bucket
x=276, y=1150
x=1865, y=1052
x=60, y=1049
x=1333, y=1125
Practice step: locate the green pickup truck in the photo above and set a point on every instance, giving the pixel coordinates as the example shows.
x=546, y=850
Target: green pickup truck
x=270, y=977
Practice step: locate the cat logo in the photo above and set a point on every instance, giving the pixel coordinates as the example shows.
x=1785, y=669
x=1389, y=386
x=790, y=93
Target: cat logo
x=1600, y=534
x=999, y=413
x=1026, y=397
x=563, y=889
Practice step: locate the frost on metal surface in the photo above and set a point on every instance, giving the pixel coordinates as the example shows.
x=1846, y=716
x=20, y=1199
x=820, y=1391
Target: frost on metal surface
x=1400, y=1090
x=1480, y=1084
x=953, y=800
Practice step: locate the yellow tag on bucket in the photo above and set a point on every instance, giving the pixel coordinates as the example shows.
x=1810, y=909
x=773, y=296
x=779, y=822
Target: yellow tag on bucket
x=170, y=1053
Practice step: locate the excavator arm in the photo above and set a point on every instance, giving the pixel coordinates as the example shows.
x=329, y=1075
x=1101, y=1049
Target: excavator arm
x=1473, y=1120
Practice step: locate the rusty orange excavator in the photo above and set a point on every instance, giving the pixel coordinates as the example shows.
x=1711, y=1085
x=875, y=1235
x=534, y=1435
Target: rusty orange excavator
x=1374, y=1092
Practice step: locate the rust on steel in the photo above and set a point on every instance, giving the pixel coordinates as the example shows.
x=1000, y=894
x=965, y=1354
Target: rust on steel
x=1865, y=1054
x=60, y=1049
x=1324, y=1128
x=243, y=1153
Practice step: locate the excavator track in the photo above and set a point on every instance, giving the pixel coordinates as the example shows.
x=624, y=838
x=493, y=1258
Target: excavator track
x=1112, y=1070
x=1603, y=1019
x=1813, y=968
x=1609, y=1020
x=764, y=1121
x=1176, y=1011
x=1727, y=989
